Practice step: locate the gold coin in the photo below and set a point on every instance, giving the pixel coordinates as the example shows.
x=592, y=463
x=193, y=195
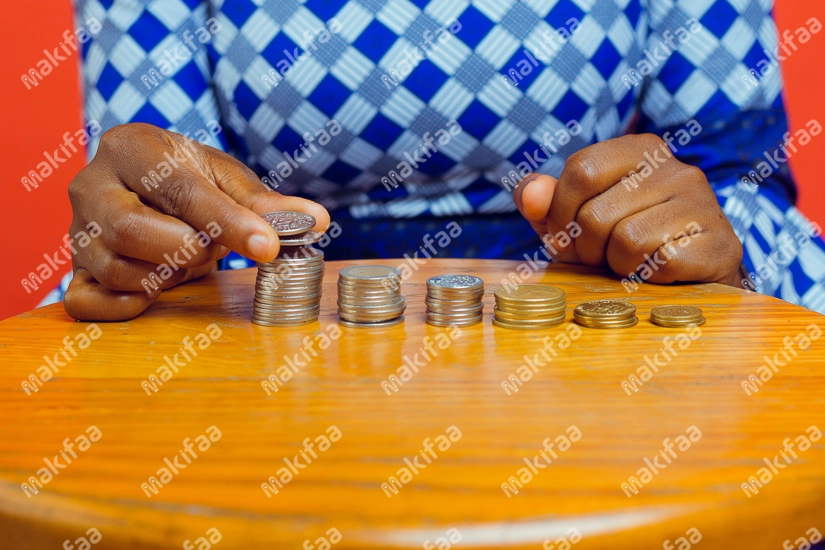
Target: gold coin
x=514, y=317
x=520, y=326
x=676, y=314
x=623, y=323
x=529, y=294
x=605, y=309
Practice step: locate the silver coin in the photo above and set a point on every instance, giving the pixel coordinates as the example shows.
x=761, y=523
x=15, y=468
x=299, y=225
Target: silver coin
x=286, y=222
x=265, y=323
x=457, y=311
x=461, y=323
x=363, y=318
x=299, y=253
x=381, y=324
x=390, y=311
x=310, y=237
x=456, y=282
x=368, y=273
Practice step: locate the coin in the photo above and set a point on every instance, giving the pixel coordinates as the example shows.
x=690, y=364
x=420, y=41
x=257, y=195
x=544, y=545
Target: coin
x=381, y=324
x=287, y=223
x=606, y=314
x=309, y=237
x=370, y=295
x=367, y=273
x=676, y=316
x=288, y=289
x=521, y=326
x=526, y=294
x=454, y=299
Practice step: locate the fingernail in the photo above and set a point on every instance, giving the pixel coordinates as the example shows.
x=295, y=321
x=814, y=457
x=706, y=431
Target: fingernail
x=258, y=246
x=525, y=182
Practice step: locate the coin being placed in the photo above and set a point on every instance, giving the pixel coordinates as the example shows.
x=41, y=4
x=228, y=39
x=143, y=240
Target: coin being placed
x=287, y=223
x=676, y=316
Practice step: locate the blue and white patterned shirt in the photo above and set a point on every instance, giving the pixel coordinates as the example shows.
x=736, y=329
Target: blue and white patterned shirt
x=328, y=98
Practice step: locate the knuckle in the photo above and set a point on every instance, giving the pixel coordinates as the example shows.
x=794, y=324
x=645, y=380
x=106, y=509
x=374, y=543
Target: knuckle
x=627, y=236
x=125, y=230
x=581, y=168
x=176, y=196
x=594, y=219
x=113, y=272
x=650, y=141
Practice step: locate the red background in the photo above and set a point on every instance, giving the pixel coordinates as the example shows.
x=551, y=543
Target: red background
x=34, y=222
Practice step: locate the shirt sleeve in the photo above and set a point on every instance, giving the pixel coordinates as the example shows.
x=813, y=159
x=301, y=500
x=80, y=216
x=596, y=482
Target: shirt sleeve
x=712, y=67
x=149, y=63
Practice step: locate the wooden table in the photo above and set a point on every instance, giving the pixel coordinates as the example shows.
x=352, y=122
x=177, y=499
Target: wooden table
x=341, y=488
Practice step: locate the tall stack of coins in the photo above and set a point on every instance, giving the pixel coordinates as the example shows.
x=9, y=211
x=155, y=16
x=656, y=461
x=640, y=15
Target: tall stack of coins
x=370, y=296
x=529, y=307
x=288, y=289
x=676, y=316
x=606, y=314
x=454, y=300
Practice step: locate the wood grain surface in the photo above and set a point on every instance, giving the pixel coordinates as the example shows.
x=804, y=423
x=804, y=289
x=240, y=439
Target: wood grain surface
x=700, y=386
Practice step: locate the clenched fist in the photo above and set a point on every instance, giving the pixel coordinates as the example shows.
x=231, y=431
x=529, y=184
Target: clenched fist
x=169, y=208
x=639, y=211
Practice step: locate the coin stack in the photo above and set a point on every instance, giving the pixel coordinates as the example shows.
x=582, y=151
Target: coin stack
x=288, y=289
x=369, y=296
x=676, y=316
x=606, y=314
x=454, y=300
x=529, y=307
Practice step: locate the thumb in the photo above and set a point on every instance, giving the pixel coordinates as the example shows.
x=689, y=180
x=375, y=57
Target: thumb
x=533, y=197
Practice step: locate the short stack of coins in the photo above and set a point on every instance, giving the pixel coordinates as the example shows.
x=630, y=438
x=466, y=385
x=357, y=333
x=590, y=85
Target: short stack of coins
x=454, y=300
x=288, y=289
x=606, y=314
x=370, y=297
x=529, y=307
x=677, y=316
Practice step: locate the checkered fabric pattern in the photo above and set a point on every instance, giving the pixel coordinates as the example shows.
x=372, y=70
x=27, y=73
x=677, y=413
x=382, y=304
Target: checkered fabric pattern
x=347, y=79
